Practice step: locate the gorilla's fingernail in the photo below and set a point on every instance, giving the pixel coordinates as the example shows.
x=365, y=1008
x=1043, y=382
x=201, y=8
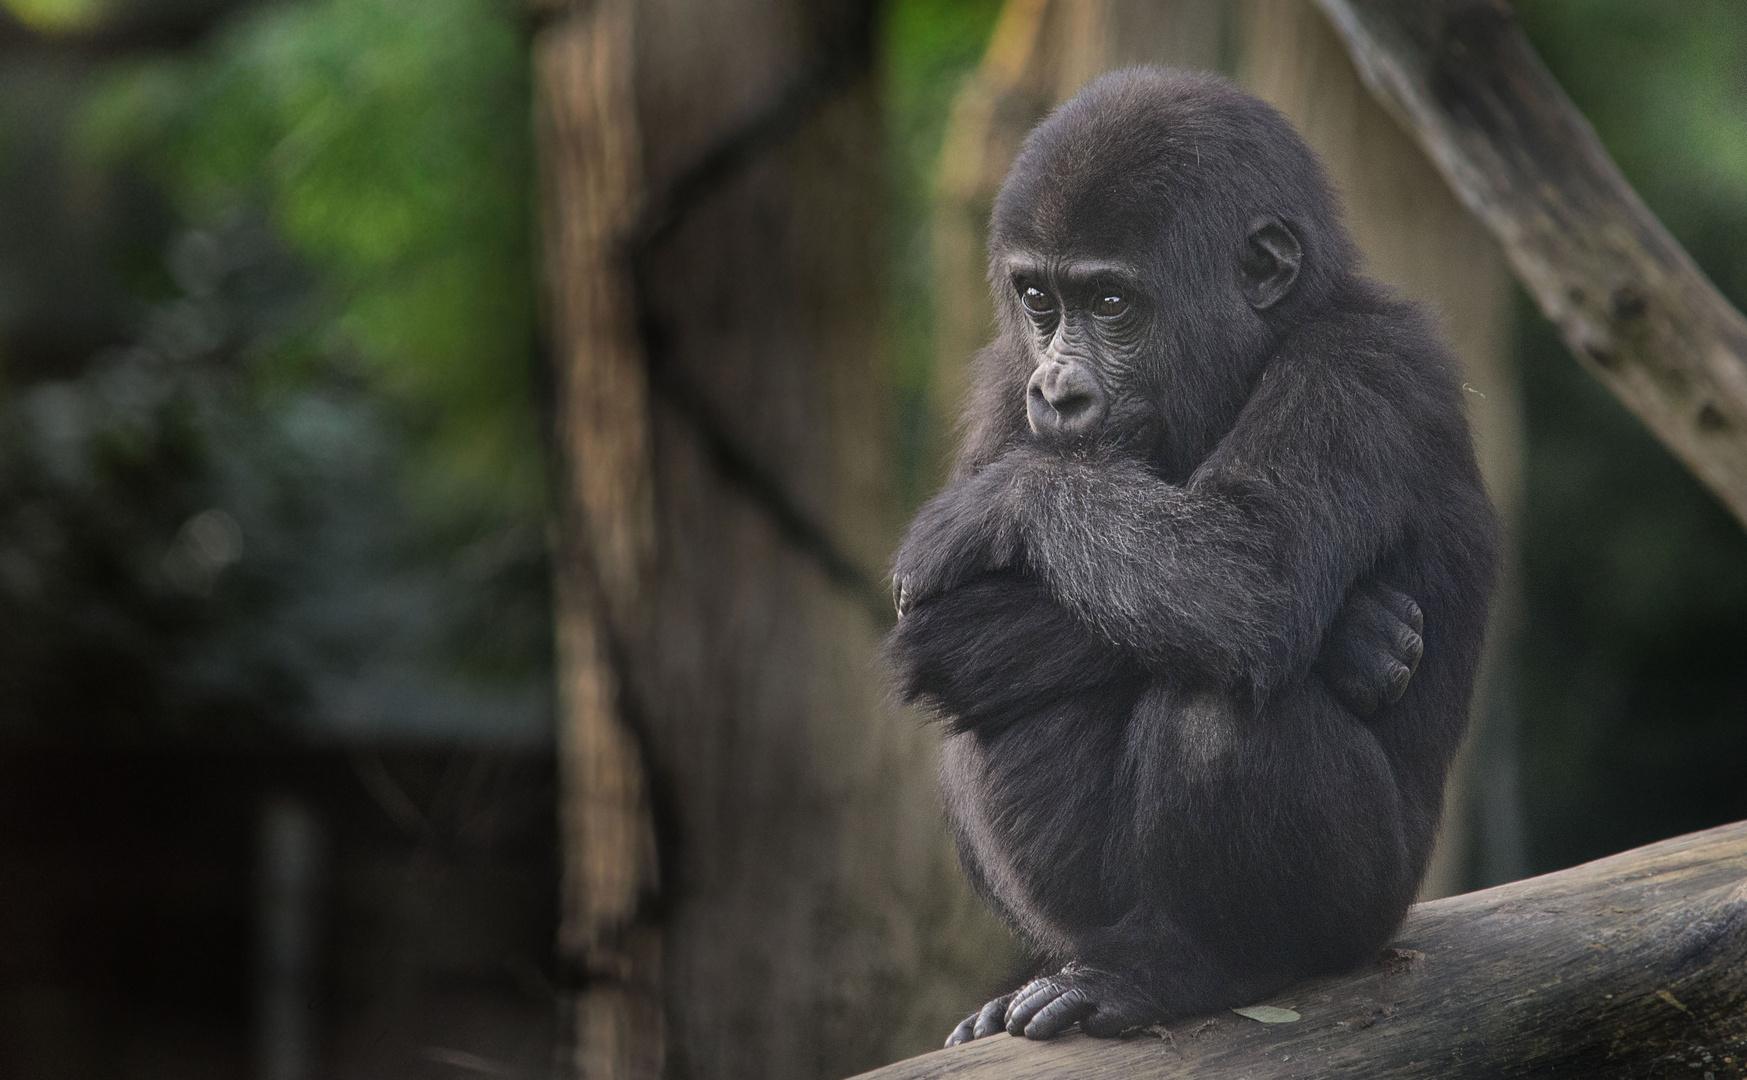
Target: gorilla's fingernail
x=1414, y=646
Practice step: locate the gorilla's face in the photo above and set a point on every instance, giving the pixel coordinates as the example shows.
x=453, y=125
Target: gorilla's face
x=1090, y=322
x=1102, y=329
x=1154, y=242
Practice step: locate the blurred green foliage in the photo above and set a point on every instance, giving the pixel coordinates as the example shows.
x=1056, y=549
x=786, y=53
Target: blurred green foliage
x=930, y=46
x=388, y=142
x=279, y=469
x=1633, y=687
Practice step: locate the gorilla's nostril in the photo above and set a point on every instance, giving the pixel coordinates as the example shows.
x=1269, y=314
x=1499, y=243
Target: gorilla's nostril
x=1071, y=404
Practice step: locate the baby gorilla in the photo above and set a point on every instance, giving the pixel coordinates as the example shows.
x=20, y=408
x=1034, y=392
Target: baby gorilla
x=1164, y=604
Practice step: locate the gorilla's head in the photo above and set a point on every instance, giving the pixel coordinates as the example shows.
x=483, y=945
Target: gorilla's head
x=1156, y=237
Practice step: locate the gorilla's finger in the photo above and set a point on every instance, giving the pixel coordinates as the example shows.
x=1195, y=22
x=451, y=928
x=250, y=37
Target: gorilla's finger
x=993, y=1018
x=1412, y=647
x=1102, y=1025
x=1059, y=1015
x=1395, y=620
x=1400, y=605
x=1399, y=676
x=964, y=1032
x=1030, y=998
x=1107, y=1022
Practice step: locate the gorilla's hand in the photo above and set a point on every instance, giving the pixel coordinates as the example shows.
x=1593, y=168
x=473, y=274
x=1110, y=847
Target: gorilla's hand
x=1372, y=648
x=957, y=536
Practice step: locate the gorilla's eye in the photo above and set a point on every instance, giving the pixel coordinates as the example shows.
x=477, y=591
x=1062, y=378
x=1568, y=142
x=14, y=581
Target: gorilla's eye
x=1036, y=301
x=1110, y=305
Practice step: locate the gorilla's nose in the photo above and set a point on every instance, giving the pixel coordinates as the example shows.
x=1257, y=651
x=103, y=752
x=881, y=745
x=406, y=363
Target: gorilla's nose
x=1063, y=399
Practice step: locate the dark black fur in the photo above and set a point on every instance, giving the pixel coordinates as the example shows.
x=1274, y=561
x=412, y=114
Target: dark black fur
x=1161, y=603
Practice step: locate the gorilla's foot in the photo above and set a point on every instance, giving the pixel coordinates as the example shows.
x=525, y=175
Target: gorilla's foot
x=1103, y=1003
x=986, y=1021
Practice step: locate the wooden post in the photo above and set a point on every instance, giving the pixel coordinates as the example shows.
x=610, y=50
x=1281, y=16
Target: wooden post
x=592, y=173
x=712, y=178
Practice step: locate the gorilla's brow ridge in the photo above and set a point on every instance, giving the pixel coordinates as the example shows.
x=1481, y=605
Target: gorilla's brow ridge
x=1077, y=271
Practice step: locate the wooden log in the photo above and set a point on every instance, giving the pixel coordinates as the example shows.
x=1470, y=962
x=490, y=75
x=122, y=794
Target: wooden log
x=1462, y=78
x=1633, y=965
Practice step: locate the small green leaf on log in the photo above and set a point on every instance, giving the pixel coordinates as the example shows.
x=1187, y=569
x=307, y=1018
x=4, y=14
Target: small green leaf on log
x=1672, y=1000
x=1268, y=1014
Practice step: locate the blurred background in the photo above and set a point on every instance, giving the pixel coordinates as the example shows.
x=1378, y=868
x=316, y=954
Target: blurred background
x=300, y=469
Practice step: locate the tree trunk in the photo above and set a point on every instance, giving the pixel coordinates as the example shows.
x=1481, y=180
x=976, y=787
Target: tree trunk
x=1634, y=965
x=1631, y=304
x=727, y=505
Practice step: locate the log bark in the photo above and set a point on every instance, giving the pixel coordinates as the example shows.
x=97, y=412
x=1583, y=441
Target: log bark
x=1633, y=965
x=1462, y=78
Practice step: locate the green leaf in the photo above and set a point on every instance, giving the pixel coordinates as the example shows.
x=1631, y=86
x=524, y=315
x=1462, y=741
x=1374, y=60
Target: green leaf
x=1268, y=1014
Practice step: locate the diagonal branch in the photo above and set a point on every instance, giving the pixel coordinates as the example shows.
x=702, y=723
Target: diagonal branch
x=1463, y=80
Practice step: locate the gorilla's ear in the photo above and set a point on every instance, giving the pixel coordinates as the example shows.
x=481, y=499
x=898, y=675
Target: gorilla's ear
x=1270, y=262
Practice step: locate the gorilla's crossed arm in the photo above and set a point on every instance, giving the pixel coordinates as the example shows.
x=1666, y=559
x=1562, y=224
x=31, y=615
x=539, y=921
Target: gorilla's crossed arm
x=999, y=644
x=1154, y=573
x=1202, y=457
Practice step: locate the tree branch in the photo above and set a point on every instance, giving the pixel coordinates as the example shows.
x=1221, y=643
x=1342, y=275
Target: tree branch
x=1463, y=80
x=1634, y=965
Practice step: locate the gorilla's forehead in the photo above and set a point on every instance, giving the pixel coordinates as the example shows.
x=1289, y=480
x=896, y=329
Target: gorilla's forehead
x=1140, y=150
x=1111, y=197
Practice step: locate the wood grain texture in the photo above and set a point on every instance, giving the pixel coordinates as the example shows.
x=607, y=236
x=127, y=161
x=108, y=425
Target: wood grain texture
x=1463, y=80
x=1633, y=965
x=592, y=186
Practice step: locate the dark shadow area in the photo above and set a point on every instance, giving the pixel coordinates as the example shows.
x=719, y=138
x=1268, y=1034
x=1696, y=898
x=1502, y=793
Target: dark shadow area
x=137, y=896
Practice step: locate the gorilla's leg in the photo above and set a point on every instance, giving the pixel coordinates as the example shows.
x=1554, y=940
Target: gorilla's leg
x=1261, y=848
